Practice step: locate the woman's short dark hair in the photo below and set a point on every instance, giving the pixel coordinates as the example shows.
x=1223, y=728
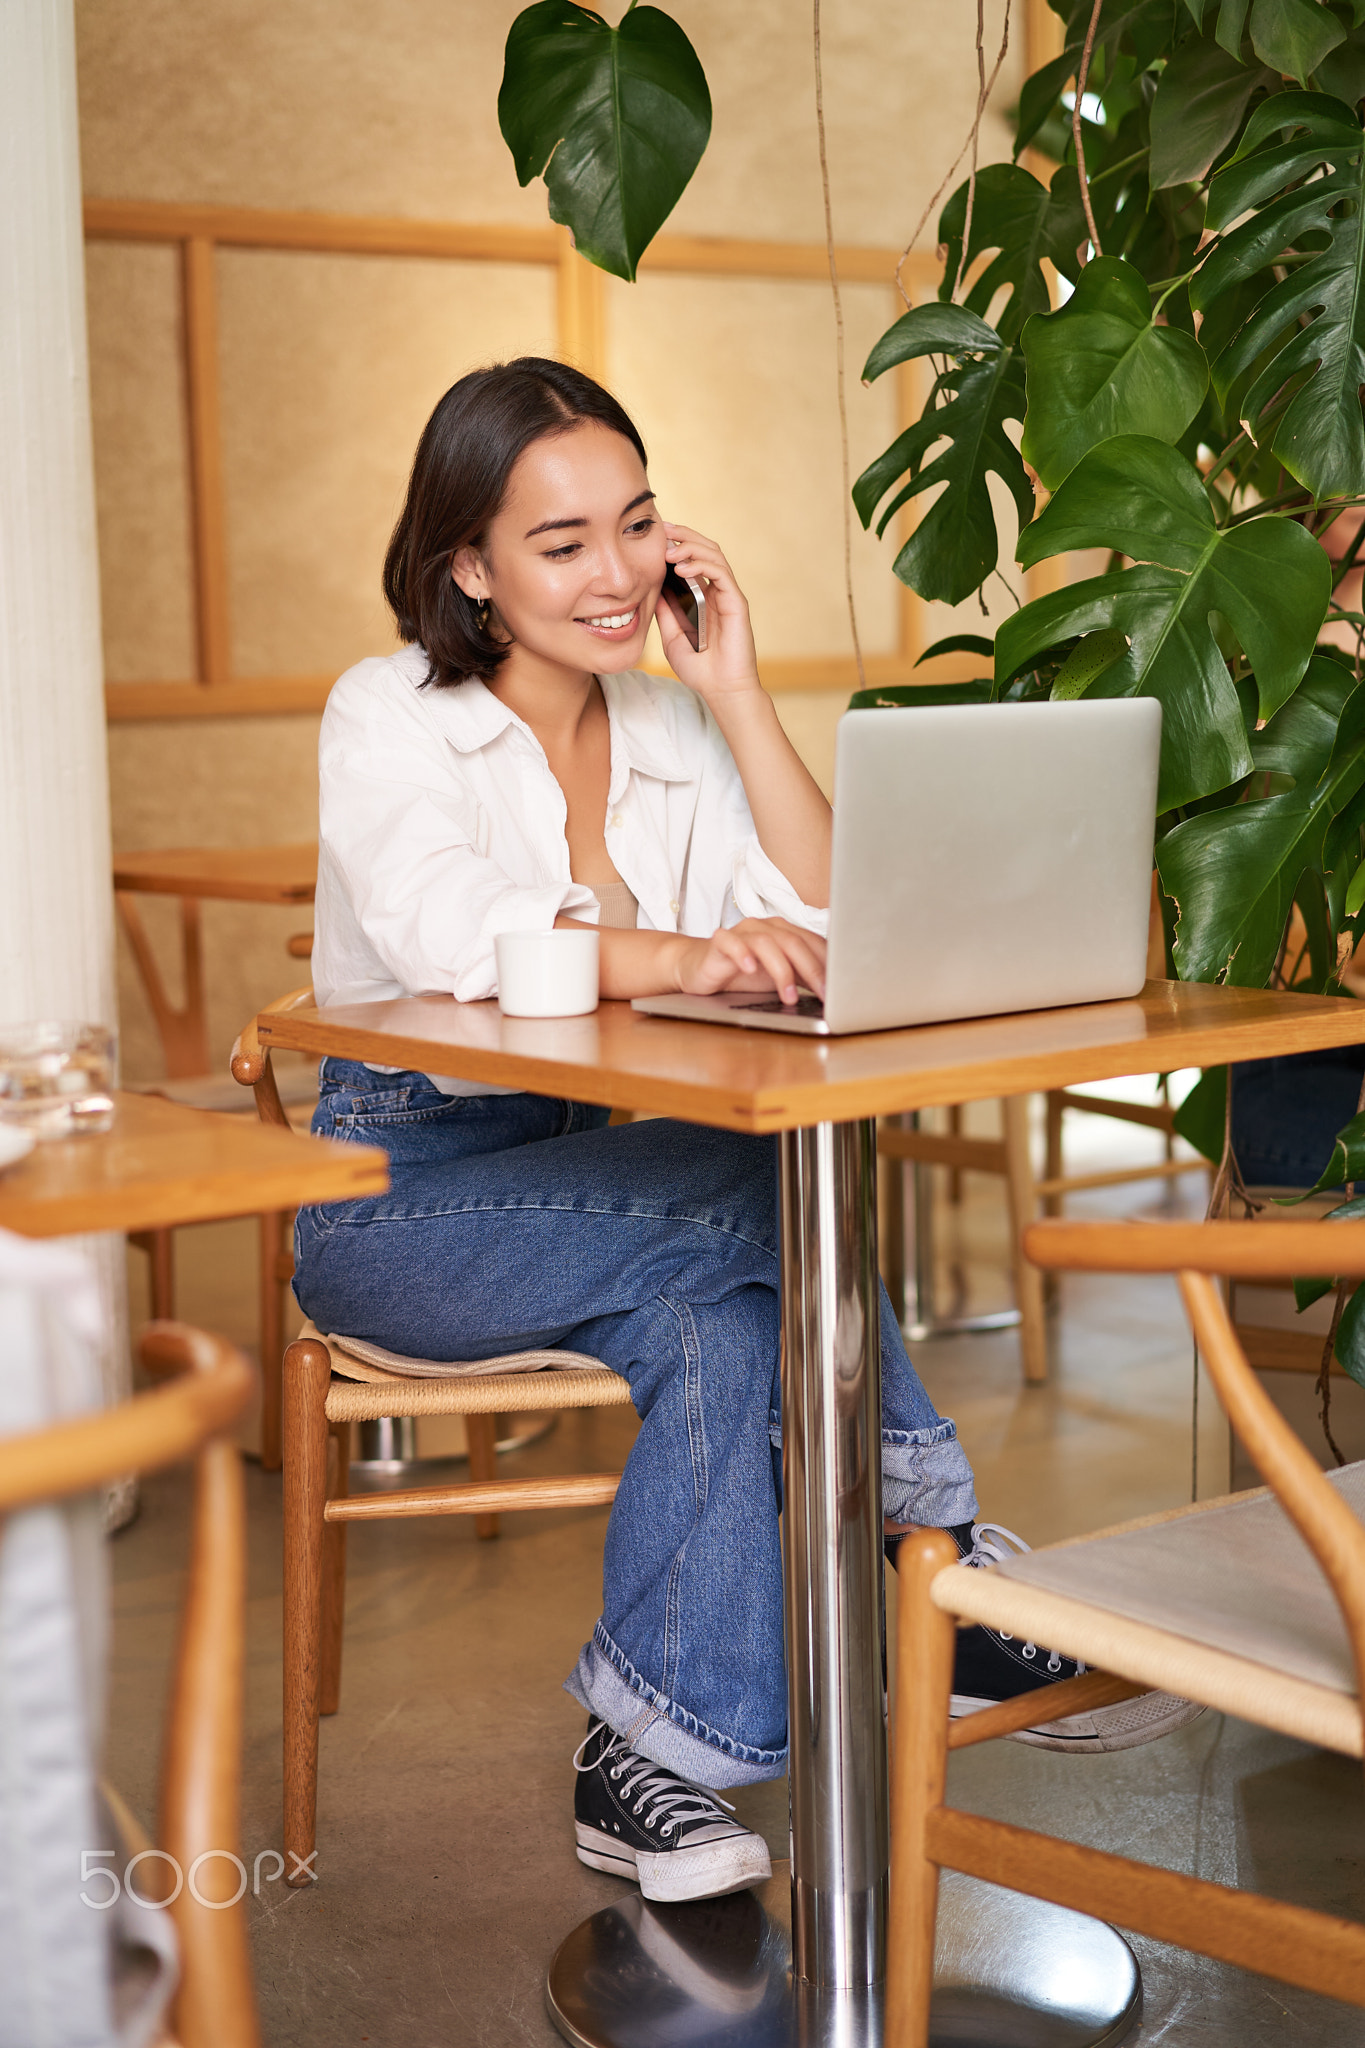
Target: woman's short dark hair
x=460, y=472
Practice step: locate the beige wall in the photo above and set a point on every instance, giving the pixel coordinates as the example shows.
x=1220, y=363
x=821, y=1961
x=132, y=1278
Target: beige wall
x=330, y=364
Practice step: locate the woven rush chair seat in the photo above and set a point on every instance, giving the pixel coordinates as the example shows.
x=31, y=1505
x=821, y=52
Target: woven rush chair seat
x=1221, y=1602
x=518, y=1383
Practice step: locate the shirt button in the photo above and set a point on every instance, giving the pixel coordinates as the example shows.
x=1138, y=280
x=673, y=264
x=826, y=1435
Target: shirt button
x=674, y=907
x=616, y=818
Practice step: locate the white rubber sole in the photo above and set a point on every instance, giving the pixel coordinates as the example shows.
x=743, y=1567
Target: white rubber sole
x=1125, y=1726
x=707, y=1872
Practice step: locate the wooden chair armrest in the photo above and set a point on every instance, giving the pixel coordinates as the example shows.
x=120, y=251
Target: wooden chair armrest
x=212, y=1384
x=1243, y=1251
x=251, y=1060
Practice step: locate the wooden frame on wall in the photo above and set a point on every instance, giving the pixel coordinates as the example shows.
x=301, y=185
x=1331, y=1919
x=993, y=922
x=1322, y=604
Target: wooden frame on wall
x=199, y=231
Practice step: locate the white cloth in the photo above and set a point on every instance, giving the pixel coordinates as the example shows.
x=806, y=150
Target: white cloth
x=76, y=1974
x=442, y=826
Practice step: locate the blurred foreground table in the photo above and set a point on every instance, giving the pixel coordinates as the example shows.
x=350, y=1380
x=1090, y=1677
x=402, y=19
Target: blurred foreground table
x=774, y=1967
x=162, y=1164
x=234, y=874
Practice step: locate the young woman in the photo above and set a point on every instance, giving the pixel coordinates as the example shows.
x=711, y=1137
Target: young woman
x=510, y=768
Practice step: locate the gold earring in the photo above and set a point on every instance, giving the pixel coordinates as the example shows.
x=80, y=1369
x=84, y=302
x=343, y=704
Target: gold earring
x=482, y=614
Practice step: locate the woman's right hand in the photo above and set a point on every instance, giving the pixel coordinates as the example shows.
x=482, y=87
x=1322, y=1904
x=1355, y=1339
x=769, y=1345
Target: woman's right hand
x=756, y=953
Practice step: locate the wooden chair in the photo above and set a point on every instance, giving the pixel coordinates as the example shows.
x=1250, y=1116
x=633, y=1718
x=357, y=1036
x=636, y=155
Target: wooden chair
x=210, y=1386
x=325, y=1390
x=1210, y=1602
x=1008, y=1156
x=190, y=1082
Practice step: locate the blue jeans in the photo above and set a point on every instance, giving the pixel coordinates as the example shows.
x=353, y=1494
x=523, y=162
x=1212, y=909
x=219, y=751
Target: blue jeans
x=515, y=1221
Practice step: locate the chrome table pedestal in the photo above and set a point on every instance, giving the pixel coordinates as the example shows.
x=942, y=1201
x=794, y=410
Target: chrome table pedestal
x=1008, y=1973
x=803, y=1961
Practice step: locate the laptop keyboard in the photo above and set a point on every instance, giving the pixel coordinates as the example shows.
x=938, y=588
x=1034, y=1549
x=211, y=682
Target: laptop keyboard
x=804, y=1006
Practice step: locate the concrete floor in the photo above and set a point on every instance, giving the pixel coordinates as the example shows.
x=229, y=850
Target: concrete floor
x=446, y=1857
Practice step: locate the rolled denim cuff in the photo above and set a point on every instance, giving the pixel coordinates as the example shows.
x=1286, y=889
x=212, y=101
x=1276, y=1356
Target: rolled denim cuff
x=607, y=1684
x=926, y=1477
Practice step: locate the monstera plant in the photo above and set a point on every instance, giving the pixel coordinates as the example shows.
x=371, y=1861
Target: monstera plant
x=1192, y=407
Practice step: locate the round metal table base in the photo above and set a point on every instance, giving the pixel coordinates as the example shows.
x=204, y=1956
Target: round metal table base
x=388, y=1447
x=916, y=1332
x=1009, y=1972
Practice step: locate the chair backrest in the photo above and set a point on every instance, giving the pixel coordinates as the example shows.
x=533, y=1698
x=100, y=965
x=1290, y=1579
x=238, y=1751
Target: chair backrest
x=209, y=1386
x=251, y=1060
x=1246, y=1251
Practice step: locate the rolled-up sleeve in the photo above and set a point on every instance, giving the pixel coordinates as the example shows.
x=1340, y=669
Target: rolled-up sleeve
x=755, y=885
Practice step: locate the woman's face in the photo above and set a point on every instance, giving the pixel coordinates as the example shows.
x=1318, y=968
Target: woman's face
x=574, y=560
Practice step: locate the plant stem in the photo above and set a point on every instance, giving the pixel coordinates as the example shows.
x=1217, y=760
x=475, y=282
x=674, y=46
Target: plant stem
x=1112, y=171
x=838, y=354
x=1298, y=495
x=1076, y=124
x=976, y=136
x=1351, y=556
x=1325, y=1369
x=967, y=144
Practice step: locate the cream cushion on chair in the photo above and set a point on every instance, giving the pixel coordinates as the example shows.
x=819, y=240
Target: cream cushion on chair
x=456, y=1369
x=1222, y=1602
x=523, y=1381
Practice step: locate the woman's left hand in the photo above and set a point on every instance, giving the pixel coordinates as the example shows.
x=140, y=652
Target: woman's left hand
x=729, y=667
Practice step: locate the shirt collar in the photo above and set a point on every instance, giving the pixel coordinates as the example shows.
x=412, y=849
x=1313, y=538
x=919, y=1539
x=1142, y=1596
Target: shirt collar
x=647, y=743
x=471, y=717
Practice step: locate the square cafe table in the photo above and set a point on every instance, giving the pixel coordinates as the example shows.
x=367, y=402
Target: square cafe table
x=162, y=1164
x=1008, y=1967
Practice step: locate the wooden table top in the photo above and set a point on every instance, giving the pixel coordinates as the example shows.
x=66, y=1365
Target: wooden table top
x=162, y=1164
x=241, y=874
x=772, y=1081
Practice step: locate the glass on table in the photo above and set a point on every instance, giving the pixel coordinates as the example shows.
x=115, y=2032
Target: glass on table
x=56, y=1078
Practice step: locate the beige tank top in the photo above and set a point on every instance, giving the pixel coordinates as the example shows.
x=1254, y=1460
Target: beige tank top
x=618, y=910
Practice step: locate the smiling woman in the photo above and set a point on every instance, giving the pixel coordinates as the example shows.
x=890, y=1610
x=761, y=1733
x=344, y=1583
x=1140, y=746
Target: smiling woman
x=509, y=769
x=525, y=571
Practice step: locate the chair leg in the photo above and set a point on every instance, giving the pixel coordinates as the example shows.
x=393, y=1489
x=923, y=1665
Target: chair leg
x=307, y=1374
x=1028, y=1281
x=481, y=1432
x=334, y=1570
x=919, y=1769
x=955, y=1172
x=271, y=1225
x=160, y=1247
x=891, y=1227
x=1052, y=1170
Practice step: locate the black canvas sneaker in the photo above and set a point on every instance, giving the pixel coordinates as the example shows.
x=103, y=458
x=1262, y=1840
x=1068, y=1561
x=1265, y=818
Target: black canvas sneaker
x=635, y=1819
x=990, y=1666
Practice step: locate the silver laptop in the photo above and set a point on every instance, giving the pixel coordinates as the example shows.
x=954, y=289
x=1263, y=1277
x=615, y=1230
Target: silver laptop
x=987, y=858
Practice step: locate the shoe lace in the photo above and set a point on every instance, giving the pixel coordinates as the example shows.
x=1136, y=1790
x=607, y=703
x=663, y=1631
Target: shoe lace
x=993, y=1543
x=669, y=1800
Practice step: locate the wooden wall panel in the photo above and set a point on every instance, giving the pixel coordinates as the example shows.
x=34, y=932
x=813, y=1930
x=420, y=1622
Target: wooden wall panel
x=330, y=368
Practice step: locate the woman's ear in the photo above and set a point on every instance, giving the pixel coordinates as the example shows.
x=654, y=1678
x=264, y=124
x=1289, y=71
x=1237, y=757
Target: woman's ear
x=468, y=571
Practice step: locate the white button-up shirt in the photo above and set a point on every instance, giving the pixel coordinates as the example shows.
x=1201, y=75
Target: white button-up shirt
x=442, y=825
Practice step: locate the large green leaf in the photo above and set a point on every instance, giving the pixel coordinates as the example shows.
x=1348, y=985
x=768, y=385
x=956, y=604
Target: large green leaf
x=614, y=119
x=1201, y=1119
x=1099, y=367
x=955, y=545
x=1267, y=578
x=1014, y=214
x=1233, y=873
x=1350, y=1344
x=1201, y=97
x=1310, y=186
x=1291, y=36
x=1040, y=93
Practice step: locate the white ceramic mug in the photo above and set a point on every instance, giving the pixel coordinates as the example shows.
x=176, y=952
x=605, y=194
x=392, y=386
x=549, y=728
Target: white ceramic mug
x=546, y=974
